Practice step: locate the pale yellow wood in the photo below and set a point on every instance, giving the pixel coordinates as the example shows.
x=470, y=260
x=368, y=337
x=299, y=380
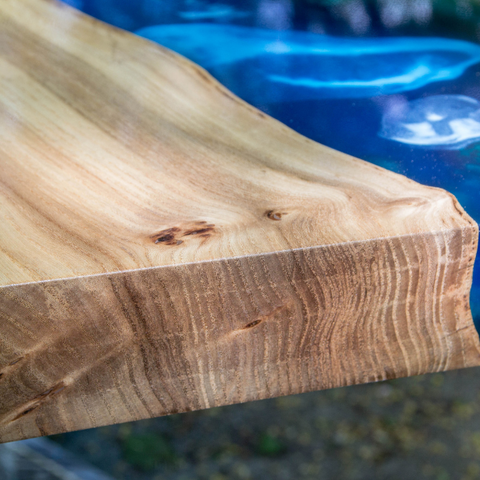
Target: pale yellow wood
x=164, y=246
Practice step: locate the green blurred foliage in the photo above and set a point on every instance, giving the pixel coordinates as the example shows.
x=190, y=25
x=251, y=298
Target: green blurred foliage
x=269, y=446
x=147, y=451
x=442, y=8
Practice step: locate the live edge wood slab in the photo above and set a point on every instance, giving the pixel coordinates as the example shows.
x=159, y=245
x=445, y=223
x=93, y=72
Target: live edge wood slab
x=166, y=247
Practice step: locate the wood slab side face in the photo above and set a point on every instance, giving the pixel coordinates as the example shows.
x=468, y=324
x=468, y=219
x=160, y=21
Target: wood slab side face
x=166, y=247
x=112, y=348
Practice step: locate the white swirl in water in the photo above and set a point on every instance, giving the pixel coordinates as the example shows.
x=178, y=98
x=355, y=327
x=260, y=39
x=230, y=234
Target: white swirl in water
x=442, y=121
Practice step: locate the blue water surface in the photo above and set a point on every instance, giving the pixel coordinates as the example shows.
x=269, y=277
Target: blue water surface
x=267, y=66
x=397, y=88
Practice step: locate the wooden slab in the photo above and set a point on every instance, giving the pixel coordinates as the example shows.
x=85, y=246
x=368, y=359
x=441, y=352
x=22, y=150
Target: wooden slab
x=166, y=247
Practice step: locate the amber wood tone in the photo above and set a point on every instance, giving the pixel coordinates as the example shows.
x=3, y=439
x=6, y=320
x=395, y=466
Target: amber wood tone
x=166, y=247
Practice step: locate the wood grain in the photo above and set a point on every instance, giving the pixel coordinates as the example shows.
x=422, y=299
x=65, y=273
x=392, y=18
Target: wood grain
x=166, y=247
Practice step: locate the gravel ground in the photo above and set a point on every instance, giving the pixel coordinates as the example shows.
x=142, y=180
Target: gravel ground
x=422, y=427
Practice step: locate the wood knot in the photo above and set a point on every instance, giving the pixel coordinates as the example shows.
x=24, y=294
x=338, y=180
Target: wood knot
x=274, y=215
x=39, y=399
x=263, y=318
x=28, y=410
x=252, y=324
x=166, y=236
x=176, y=235
x=51, y=391
x=207, y=229
x=15, y=361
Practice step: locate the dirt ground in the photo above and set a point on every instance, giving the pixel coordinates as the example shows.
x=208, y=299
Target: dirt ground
x=422, y=427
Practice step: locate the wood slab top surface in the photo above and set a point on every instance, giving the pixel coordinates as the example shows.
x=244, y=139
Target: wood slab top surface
x=118, y=154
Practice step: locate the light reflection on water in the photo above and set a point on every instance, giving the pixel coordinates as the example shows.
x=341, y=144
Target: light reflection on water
x=407, y=104
x=439, y=121
x=264, y=65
